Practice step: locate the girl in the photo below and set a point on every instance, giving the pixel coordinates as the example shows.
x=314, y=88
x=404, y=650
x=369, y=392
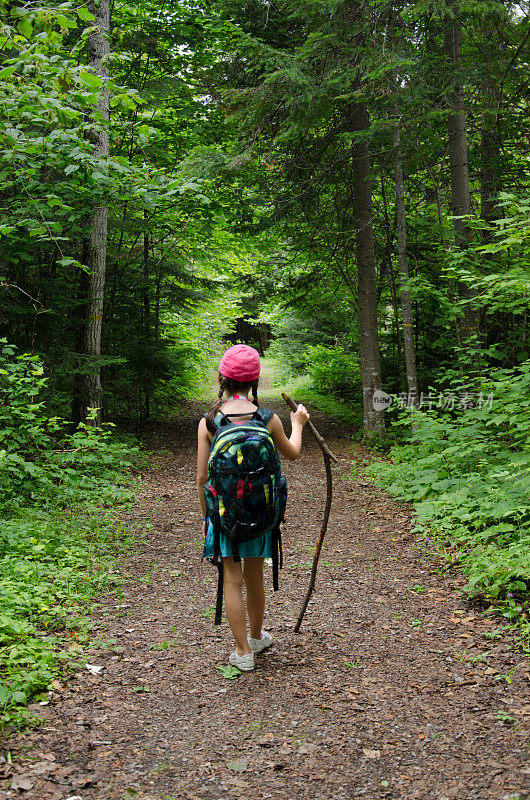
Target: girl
x=239, y=374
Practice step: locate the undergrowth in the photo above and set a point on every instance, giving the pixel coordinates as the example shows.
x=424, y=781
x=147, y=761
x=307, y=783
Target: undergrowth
x=302, y=388
x=468, y=475
x=59, y=536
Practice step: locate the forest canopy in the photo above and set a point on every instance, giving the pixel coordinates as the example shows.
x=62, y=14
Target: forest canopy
x=344, y=175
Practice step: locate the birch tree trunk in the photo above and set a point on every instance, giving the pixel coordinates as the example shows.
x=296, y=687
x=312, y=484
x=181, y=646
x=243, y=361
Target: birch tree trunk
x=90, y=397
x=374, y=423
x=458, y=163
x=403, y=266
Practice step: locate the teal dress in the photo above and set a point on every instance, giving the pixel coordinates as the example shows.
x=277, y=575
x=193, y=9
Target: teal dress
x=261, y=547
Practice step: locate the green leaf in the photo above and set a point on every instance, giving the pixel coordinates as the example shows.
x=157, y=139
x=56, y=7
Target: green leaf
x=91, y=80
x=6, y=72
x=229, y=672
x=71, y=168
x=85, y=14
x=25, y=28
x=64, y=22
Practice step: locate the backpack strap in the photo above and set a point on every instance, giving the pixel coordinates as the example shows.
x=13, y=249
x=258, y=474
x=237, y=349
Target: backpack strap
x=218, y=561
x=219, y=599
x=219, y=419
x=219, y=564
x=264, y=414
x=277, y=555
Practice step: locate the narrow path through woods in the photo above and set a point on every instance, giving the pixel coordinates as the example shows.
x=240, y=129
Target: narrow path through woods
x=386, y=692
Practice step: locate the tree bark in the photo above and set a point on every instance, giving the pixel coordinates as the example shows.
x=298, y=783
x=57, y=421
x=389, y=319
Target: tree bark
x=490, y=148
x=145, y=409
x=458, y=163
x=403, y=266
x=374, y=423
x=387, y=255
x=90, y=396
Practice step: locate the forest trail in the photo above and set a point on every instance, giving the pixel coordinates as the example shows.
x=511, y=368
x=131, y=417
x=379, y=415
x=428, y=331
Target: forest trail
x=390, y=690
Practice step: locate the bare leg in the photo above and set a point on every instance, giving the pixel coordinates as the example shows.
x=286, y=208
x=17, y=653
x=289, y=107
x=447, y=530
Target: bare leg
x=235, y=610
x=253, y=577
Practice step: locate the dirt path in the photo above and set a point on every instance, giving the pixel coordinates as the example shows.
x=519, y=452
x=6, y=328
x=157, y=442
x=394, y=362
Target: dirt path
x=392, y=689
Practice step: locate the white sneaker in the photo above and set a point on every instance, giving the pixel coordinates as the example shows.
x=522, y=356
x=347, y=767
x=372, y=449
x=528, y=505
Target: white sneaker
x=245, y=662
x=259, y=645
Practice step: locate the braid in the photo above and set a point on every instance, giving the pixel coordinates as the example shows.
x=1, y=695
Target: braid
x=255, y=394
x=215, y=409
x=222, y=387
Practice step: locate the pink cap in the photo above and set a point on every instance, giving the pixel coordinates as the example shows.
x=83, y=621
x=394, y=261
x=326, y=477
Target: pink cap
x=240, y=363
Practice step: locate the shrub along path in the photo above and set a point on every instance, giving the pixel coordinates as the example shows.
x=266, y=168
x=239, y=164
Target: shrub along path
x=395, y=687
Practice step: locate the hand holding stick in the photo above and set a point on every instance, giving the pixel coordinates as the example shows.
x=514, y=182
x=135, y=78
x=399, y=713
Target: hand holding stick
x=320, y=441
x=328, y=455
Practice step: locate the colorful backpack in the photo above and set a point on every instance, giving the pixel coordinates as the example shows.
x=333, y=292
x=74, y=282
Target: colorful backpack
x=245, y=493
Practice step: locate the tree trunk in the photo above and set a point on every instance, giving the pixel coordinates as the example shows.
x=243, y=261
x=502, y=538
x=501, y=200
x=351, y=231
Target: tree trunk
x=387, y=255
x=157, y=304
x=490, y=148
x=96, y=241
x=78, y=392
x=374, y=423
x=458, y=164
x=145, y=410
x=403, y=266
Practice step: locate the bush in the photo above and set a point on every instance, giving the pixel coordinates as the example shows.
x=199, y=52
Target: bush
x=25, y=431
x=57, y=541
x=296, y=330
x=335, y=371
x=468, y=477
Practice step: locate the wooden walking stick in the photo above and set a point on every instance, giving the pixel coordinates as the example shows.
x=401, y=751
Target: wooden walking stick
x=328, y=457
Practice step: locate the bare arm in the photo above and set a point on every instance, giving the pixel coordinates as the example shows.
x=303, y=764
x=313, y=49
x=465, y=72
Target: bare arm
x=203, y=451
x=289, y=447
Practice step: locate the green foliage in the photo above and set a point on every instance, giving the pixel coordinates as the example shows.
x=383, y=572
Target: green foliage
x=229, y=672
x=25, y=431
x=37, y=456
x=194, y=336
x=300, y=388
x=334, y=371
x=497, y=273
x=468, y=475
x=302, y=314
x=57, y=541
x=52, y=562
x=161, y=218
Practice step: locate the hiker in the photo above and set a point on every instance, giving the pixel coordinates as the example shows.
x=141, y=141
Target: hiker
x=238, y=375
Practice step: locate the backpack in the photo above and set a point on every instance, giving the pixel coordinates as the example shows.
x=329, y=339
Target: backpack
x=245, y=493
